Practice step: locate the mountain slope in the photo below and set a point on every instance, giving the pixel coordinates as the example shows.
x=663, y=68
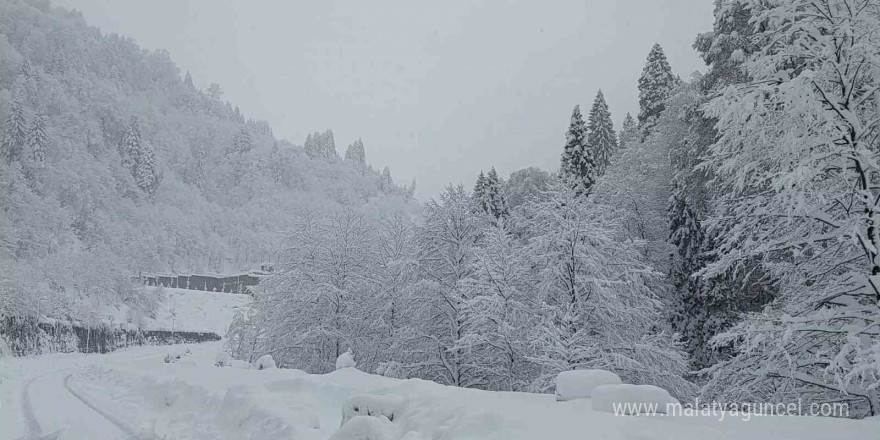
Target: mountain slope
x=140, y=170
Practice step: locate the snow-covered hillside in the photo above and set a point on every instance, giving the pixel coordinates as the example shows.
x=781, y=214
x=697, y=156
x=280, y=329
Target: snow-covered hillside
x=194, y=310
x=193, y=399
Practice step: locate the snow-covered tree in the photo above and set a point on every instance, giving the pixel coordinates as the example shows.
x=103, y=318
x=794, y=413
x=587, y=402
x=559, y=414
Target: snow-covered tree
x=525, y=185
x=629, y=132
x=242, y=142
x=14, y=132
x=320, y=145
x=602, y=139
x=479, y=193
x=355, y=153
x=130, y=149
x=599, y=311
x=488, y=194
x=146, y=172
x=579, y=166
x=502, y=305
x=655, y=85
x=215, y=91
x=37, y=139
x=386, y=182
x=447, y=240
x=797, y=157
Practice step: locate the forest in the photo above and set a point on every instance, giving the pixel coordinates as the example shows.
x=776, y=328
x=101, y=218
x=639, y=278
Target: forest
x=721, y=244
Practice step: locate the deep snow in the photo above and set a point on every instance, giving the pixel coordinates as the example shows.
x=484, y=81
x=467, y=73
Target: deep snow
x=193, y=399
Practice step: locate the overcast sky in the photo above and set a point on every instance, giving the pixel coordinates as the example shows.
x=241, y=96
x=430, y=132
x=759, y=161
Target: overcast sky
x=437, y=90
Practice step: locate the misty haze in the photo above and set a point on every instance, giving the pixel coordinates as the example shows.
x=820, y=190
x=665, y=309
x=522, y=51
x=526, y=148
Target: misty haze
x=393, y=220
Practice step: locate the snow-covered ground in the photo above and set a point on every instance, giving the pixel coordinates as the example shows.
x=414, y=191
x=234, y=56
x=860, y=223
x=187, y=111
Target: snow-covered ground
x=188, y=310
x=134, y=393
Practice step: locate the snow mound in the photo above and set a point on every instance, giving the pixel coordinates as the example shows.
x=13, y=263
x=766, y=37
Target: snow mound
x=345, y=360
x=367, y=428
x=222, y=359
x=240, y=364
x=265, y=362
x=370, y=405
x=632, y=399
x=579, y=384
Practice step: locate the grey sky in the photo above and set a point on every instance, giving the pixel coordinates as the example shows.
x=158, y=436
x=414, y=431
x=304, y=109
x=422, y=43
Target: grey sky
x=437, y=90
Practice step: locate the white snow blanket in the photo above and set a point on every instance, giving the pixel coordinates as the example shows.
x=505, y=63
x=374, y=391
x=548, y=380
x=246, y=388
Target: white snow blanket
x=345, y=360
x=265, y=362
x=194, y=400
x=222, y=359
x=370, y=405
x=578, y=384
x=632, y=399
x=367, y=428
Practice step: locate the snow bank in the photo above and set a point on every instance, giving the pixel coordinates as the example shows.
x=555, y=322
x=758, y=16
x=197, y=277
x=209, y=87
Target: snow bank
x=265, y=362
x=370, y=405
x=631, y=399
x=194, y=401
x=222, y=359
x=579, y=384
x=367, y=428
x=175, y=409
x=345, y=360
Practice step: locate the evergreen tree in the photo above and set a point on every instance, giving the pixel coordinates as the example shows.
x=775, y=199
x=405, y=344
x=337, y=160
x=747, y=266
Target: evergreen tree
x=688, y=313
x=214, y=91
x=320, y=145
x=146, y=174
x=37, y=139
x=131, y=145
x=188, y=80
x=329, y=145
x=578, y=164
x=386, y=183
x=242, y=142
x=355, y=153
x=479, y=194
x=602, y=140
x=629, y=132
x=494, y=195
x=655, y=85
x=15, y=133
x=139, y=158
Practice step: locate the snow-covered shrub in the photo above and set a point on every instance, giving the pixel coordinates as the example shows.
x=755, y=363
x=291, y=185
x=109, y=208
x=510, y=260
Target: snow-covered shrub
x=345, y=360
x=240, y=364
x=367, y=428
x=222, y=359
x=632, y=399
x=578, y=384
x=265, y=361
x=370, y=405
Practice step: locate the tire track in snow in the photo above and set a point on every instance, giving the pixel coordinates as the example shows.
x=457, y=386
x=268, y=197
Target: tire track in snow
x=32, y=427
x=130, y=432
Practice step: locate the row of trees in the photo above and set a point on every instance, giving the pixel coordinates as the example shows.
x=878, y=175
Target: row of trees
x=467, y=297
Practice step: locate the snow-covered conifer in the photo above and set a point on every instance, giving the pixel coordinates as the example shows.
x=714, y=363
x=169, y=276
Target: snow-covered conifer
x=602, y=139
x=578, y=163
x=355, y=153
x=655, y=85
x=37, y=139
x=14, y=133
x=629, y=132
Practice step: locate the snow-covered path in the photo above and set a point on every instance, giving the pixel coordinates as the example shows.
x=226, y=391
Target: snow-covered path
x=48, y=404
x=134, y=394
x=52, y=409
